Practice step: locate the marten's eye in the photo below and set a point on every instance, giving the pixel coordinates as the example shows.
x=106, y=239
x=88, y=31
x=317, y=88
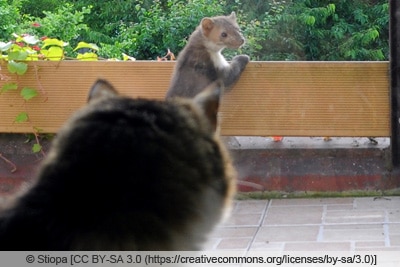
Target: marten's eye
x=224, y=35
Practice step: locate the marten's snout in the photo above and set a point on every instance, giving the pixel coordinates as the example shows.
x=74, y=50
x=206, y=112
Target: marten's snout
x=239, y=40
x=234, y=40
x=242, y=40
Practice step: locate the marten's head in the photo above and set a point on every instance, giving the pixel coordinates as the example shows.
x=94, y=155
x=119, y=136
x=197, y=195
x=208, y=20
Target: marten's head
x=222, y=31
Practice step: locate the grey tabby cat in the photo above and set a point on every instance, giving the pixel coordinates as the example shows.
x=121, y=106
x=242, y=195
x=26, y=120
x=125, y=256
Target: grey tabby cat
x=127, y=174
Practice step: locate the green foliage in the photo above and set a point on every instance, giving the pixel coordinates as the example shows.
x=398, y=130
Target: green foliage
x=28, y=93
x=65, y=23
x=36, y=8
x=17, y=67
x=27, y=47
x=8, y=87
x=165, y=24
x=36, y=148
x=53, y=49
x=274, y=29
x=9, y=18
x=88, y=51
x=106, y=18
x=22, y=117
x=320, y=30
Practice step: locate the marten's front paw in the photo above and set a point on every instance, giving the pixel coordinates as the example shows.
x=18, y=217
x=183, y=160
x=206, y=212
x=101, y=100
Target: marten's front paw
x=242, y=60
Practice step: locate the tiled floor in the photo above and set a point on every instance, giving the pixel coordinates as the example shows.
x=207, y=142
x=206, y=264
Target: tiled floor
x=325, y=224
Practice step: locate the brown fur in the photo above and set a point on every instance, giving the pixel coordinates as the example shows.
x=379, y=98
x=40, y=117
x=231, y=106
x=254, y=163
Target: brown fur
x=127, y=174
x=200, y=63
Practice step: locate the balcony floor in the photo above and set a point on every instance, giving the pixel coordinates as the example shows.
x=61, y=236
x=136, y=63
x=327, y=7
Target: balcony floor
x=318, y=224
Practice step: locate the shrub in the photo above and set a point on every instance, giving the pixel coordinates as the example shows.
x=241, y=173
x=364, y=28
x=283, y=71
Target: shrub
x=164, y=25
x=10, y=18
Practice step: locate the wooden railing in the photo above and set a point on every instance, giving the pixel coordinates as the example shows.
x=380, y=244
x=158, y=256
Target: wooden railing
x=271, y=98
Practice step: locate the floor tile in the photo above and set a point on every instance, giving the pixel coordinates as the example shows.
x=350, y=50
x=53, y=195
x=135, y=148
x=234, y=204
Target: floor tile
x=291, y=215
x=377, y=203
x=340, y=207
x=369, y=244
x=234, y=243
x=267, y=246
x=394, y=215
x=354, y=216
x=250, y=206
x=325, y=224
x=287, y=233
x=222, y=232
x=395, y=240
x=244, y=220
x=311, y=201
x=318, y=246
x=356, y=232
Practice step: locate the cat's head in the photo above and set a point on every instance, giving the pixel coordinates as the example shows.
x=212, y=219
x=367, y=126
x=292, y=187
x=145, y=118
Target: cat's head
x=207, y=102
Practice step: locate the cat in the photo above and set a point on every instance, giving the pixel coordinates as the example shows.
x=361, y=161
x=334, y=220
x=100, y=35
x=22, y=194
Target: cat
x=127, y=174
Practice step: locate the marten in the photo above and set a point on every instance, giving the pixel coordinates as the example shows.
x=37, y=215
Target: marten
x=127, y=174
x=200, y=62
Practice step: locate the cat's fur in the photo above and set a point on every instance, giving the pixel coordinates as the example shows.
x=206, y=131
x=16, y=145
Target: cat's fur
x=126, y=174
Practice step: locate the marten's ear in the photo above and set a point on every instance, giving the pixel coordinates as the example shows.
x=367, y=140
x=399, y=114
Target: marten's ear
x=101, y=88
x=208, y=101
x=233, y=15
x=207, y=24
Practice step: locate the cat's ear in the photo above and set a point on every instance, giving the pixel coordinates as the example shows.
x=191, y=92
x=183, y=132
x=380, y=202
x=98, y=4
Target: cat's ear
x=101, y=88
x=208, y=101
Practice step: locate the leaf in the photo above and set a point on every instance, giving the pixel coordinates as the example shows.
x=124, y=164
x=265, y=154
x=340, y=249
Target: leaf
x=126, y=57
x=369, y=36
x=8, y=87
x=29, y=39
x=331, y=8
x=21, y=117
x=86, y=45
x=53, y=42
x=5, y=46
x=87, y=56
x=54, y=53
x=17, y=67
x=17, y=55
x=36, y=148
x=309, y=20
x=28, y=93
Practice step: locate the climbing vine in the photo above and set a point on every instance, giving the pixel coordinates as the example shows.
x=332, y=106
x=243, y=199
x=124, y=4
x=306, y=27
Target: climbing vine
x=25, y=48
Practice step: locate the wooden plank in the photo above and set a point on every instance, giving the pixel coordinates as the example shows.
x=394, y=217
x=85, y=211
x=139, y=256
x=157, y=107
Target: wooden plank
x=65, y=84
x=309, y=99
x=271, y=98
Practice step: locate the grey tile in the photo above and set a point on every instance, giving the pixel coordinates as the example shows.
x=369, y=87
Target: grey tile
x=244, y=220
x=394, y=215
x=332, y=224
x=224, y=232
x=250, y=206
x=234, y=243
x=318, y=246
x=267, y=246
x=287, y=233
x=354, y=216
x=312, y=201
x=353, y=232
x=377, y=203
x=292, y=215
x=369, y=244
